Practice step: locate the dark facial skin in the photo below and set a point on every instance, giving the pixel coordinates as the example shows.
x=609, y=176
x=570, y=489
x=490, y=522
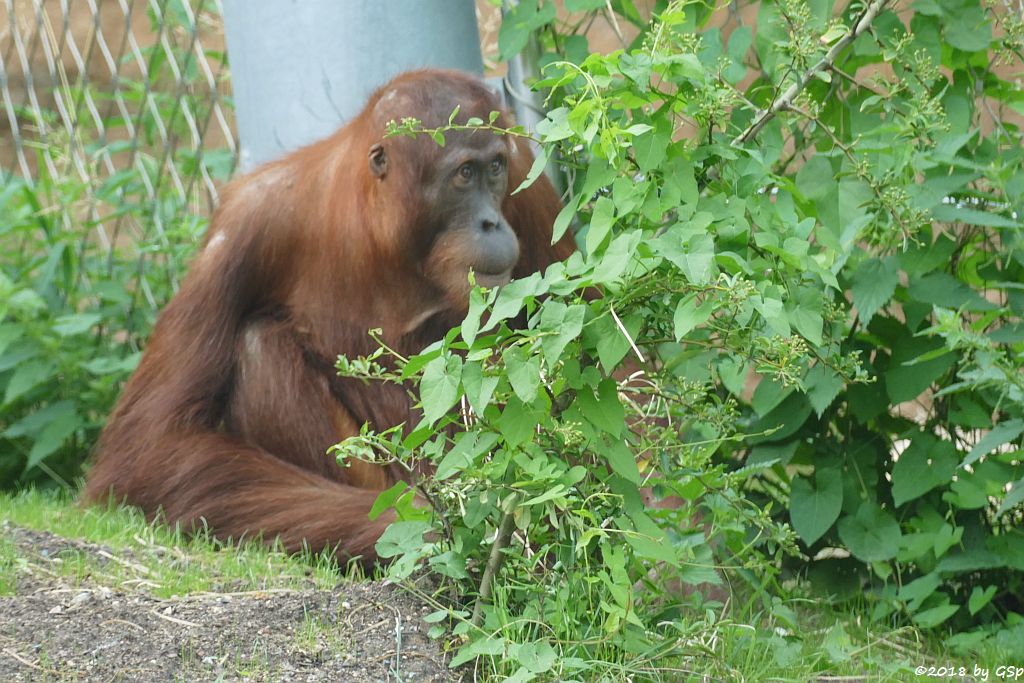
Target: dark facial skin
x=462, y=220
x=473, y=184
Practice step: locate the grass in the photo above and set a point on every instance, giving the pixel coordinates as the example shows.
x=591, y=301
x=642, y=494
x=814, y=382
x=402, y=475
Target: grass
x=796, y=640
x=8, y=567
x=154, y=556
x=317, y=635
x=760, y=637
x=788, y=640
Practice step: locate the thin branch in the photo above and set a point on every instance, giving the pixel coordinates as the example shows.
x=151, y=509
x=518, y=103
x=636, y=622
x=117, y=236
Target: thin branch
x=826, y=62
x=495, y=559
x=615, y=24
x=625, y=333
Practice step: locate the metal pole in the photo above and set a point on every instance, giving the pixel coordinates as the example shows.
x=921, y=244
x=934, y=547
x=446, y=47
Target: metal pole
x=300, y=69
x=527, y=104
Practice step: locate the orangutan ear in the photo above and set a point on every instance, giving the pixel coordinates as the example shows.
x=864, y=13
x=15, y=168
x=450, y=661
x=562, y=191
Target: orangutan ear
x=378, y=161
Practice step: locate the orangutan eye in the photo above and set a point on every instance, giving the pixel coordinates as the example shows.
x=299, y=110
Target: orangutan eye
x=497, y=165
x=466, y=171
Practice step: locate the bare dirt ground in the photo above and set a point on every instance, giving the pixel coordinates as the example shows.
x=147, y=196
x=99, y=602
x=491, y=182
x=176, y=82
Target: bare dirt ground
x=53, y=630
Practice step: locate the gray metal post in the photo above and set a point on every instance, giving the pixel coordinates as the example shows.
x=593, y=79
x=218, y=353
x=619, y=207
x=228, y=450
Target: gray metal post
x=528, y=105
x=300, y=69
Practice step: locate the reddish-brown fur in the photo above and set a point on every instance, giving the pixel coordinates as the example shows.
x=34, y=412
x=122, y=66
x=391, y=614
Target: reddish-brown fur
x=228, y=418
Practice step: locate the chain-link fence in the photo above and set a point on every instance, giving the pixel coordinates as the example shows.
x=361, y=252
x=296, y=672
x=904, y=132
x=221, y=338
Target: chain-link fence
x=125, y=97
x=115, y=131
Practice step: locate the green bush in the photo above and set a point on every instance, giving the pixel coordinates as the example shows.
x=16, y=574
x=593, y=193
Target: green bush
x=799, y=231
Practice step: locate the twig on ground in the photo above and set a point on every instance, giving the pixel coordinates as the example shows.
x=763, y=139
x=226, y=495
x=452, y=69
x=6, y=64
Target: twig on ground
x=174, y=620
x=122, y=621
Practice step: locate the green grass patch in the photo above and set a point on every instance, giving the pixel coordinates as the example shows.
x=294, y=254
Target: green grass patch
x=117, y=546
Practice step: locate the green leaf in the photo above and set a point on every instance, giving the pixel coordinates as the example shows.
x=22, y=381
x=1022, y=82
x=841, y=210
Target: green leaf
x=616, y=258
x=540, y=162
x=601, y=221
x=698, y=264
x=1013, y=498
x=8, y=333
x=872, y=535
x=77, y=323
x=490, y=646
x=52, y=437
x=816, y=179
x=919, y=590
x=979, y=598
x=912, y=370
x=523, y=373
x=562, y=324
x=471, y=323
x=774, y=313
x=977, y=559
x=733, y=374
x=650, y=149
x=556, y=491
x=402, y=537
x=517, y=422
x=34, y=423
x=468, y=447
x=564, y=219
x=26, y=377
x=584, y=5
x=555, y=125
x=479, y=387
x=969, y=491
x=945, y=538
x=823, y=385
x=783, y=421
x=621, y=460
x=739, y=42
x=612, y=345
x=838, y=644
x=969, y=29
x=767, y=395
x=874, y=283
x=386, y=499
x=102, y=366
x=949, y=213
x=771, y=453
x=420, y=361
x=944, y=290
x=536, y=657
x=637, y=67
x=926, y=464
x=439, y=387
x=604, y=410
x=813, y=510
x=804, y=313
x=519, y=22
x=689, y=315
x=833, y=34
x=701, y=569
x=648, y=540
x=1000, y=434
x=930, y=618
x=691, y=250
x=449, y=563
x=511, y=297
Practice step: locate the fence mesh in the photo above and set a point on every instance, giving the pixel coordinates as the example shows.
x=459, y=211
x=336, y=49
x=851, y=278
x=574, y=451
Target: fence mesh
x=115, y=114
